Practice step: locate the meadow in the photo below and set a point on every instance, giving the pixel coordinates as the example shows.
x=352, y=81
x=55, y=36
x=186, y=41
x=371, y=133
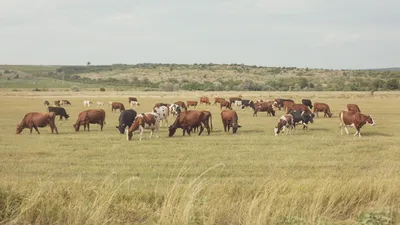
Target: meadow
x=253, y=177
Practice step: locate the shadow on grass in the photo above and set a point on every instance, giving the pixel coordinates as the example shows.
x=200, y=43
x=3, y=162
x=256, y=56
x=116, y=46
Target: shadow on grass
x=371, y=134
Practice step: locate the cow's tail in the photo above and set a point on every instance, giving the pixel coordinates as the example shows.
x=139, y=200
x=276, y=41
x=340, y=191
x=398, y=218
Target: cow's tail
x=211, y=122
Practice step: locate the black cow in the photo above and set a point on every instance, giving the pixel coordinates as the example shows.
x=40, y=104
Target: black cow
x=307, y=102
x=302, y=117
x=246, y=103
x=59, y=111
x=126, y=119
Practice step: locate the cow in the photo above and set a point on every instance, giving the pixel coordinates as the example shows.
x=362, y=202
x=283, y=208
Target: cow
x=285, y=122
x=307, y=102
x=181, y=104
x=226, y=104
x=190, y=119
x=208, y=115
x=205, y=100
x=218, y=100
x=59, y=111
x=57, y=103
x=132, y=103
x=353, y=107
x=144, y=121
x=65, y=102
x=117, y=105
x=191, y=103
x=45, y=102
x=264, y=107
x=238, y=103
x=161, y=104
x=163, y=113
x=132, y=99
x=233, y=99
x=94, y=116
x=299, y=107
x=174, y=109
x=126, y=119
x=87, y=103
x=100, y=103
x=280, y=101
x=322, y=107
x=301, y=117
x=245, y=103
x=37, y=119
x=230, y=119
x=354, y=119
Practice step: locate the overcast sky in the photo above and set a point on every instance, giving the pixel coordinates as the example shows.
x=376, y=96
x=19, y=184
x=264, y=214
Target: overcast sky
x=303, y=33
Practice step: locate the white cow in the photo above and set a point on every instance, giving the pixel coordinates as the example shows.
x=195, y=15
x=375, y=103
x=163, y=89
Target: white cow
x=238, y=103
x=100, y=103
x=174, y=109
x=163, y=113
x=87, y=103
x=134, y=103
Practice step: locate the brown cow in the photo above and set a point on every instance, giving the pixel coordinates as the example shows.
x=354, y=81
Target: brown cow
x=130, y=99
x=264, y=107
x=230, y=119
x=207, y=114
x=57, y=103
x=161, y=104
x=299, y=107
x=205, y=100
x=354, y=119
x=285, y=122
x=233, y=99
x=286, y=105
x=94, y=116
x=353, y=107
x=218, y=100
x=322, y=107
x=45, y=102
x=191, y=103
x=181, y=104
x=144, y=121
x=117, y=105
x=37, y=119
x=190, y=119
x=226, y=104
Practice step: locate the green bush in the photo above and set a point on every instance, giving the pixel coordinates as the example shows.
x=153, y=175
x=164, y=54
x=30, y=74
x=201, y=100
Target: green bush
x=75, y=88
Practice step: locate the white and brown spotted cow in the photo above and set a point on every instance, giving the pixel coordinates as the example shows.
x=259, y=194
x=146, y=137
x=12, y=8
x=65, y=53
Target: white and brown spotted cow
x=149, y=121
x=285, y=122
x=354, y=119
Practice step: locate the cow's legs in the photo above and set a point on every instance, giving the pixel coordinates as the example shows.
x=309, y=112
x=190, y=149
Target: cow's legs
x=166, y=121
x=141, y=133
x=224, y=125
x=208, y=129
x=38, y=130
x=346, y=129
x=101, y=125
x=88, y=126
x=55, y=128
x=357, y=132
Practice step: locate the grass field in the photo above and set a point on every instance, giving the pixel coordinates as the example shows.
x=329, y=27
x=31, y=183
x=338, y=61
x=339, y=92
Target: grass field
x=311, y=177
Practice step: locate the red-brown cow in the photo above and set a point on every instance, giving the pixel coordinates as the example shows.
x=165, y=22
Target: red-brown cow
x=94, y=116
x=37, y=119
x=117, y=105
x=233, y=99
x=322, y=107
x=191, y=103
x=353, y=107
x=287, y=105
x=181, y=104
x=264, y=107
x=205, y=100
x=354, y=119
x=218, y=100
x=299, y=107
x=226, y=104
x=230, y=119
x=130, y=99
x=144, y=121
x=190, y=119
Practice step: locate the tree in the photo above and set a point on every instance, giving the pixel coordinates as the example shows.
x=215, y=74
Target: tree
x=392, y=84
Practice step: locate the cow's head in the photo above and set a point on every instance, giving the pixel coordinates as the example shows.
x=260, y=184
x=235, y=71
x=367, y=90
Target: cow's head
x=370, y=120
x=330, y=114
x=66, y=116
x=235, y=127
x=172, y=130
x=121, y=128
x=76, y=127
x=19, y=129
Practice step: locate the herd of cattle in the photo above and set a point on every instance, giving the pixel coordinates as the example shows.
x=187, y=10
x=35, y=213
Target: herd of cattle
x=192, y=120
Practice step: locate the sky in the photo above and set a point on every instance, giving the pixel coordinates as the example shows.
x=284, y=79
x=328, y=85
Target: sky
x=339, y=34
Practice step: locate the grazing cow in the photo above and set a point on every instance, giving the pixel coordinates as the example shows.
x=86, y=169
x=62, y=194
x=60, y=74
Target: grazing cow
x=205, y=100
x=163, y=113
x=132, y=99
x=354, y=119
x=144, y=121
x=226, y=104
x=230, y=119
x=307, y=102
x=233, y=99
x=57, y=103
x=132, y=103
x=280, y=102
x=94, y=116
x=353, y=107
x=65, y=102
x=126, y=119
x=191, y=103
x=322, y=107
x=299, y=107
x=45, y=102
x=87, y=103
x=218, y=100
x=174, y=109
x=191, y=119
x=264, y=107
x=301, y=117
x=59, y=111
x=181, y=104
x=117, y=105
x=37, y=119
x=285, y=122
x=99, y=103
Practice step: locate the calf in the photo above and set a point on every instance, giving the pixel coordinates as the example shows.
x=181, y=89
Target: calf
x=301, y=117
x=45, y=102
x=354, y=119
x=322, y=107
x=205, y=100
x=353, y=107
x=286, y=121
x=36, y=119
x=191, y=103
x=144, y=121
x=181, y=104
x=126, y=119
x=264, y=107
x=87, y=103
x=117, y=105
x=94, y=116
x=307, y=102
x=59, y=111
x=230, y=119
x=226, y=104
x=163, y=113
